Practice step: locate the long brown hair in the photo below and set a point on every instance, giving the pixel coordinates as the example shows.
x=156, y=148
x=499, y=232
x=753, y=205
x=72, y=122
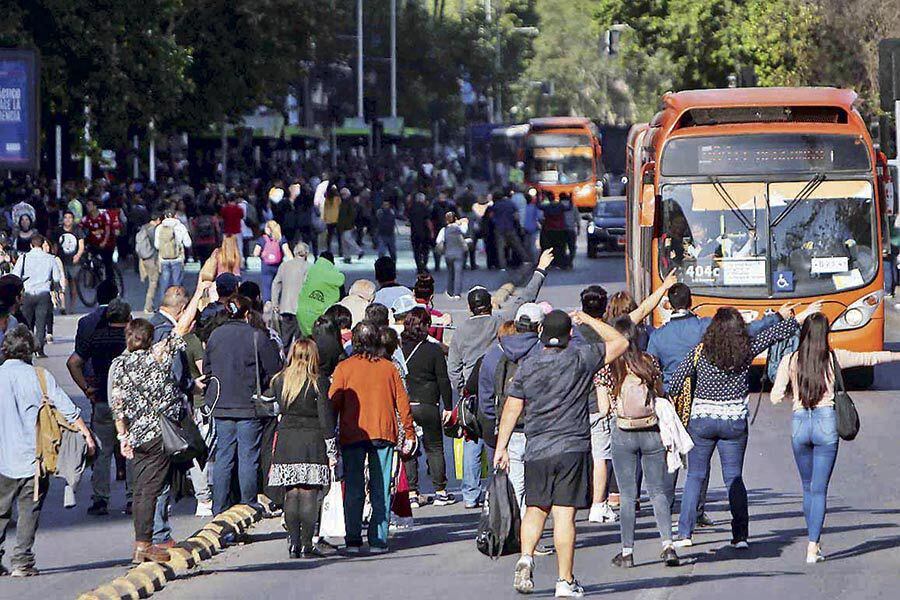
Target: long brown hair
x=633, y=361
x=620, y=305
x=301, y=370
x=813, y=360
x=726, y=343
x=229, y=254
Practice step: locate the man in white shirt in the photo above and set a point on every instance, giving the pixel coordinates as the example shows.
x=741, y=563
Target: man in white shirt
x=38, y=270
x=171, y=238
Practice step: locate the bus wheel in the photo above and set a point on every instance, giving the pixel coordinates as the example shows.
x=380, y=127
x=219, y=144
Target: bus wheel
x=860, y=378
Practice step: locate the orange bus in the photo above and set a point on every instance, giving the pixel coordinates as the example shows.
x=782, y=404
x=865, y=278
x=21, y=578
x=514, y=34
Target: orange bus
x=562, y=155
x=758, y=196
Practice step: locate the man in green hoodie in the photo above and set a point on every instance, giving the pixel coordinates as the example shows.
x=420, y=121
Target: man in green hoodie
x=321, y=289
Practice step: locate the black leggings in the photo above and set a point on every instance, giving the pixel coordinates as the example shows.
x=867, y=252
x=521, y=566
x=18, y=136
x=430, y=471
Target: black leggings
x=428, y=417
x=301, y=511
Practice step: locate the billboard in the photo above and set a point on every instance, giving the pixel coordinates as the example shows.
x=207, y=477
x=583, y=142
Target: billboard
x=18, y=110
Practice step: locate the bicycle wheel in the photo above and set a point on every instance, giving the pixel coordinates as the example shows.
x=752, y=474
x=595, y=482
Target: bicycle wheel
x=86, y=284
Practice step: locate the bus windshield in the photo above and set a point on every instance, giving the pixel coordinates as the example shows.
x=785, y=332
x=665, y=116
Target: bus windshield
x=822, y=237
x=559, y=158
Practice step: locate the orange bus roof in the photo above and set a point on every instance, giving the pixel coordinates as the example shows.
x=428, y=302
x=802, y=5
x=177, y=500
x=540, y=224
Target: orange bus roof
x=562, y=122
x=772, y=96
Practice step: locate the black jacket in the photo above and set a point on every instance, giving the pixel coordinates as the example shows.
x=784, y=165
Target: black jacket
x=427, y=381
x=230, y=364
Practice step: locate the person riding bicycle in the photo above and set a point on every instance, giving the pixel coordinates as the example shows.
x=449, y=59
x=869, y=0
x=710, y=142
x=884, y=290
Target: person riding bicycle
x=100, y=237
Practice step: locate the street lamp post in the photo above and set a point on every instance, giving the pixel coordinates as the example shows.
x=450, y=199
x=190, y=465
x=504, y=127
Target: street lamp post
x=394, y=58
x=359, y=59
x=88, y=166
x=151, y=127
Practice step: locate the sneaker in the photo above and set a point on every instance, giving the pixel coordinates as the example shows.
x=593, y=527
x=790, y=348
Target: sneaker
x=523, y=582
x=353, y=550
x=620, y=560
x=204, y=509
x=811, y=559
x=378, y=550
x=98, y=509
x=569, y=589
x=703, y=520
x=602, y=513
x=444, y=499
x=473, y=506
x=544, y=550
x=683, y=543
x=669, y=557
x=24, y=572
x=127, y=509
x=49, y=338
x=740, y=544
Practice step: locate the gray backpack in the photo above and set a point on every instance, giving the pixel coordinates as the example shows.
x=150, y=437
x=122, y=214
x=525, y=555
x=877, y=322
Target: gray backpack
x=143, y=242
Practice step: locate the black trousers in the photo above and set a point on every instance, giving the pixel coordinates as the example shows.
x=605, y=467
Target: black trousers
x=557, y=241
x=421, y=251
x=571, y=244
x=428, y=417
x=37, y=309
x=290, y=330
x=151, y=473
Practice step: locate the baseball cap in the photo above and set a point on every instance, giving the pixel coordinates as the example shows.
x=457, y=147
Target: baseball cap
x=403, y=304
x=227, y=284
x=478, y=298
x=529, y=314
x=556, y=329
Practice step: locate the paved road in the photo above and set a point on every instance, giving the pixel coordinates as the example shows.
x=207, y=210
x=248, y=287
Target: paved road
x=437, y=557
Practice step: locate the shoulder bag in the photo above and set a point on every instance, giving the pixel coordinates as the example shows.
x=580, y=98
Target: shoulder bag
x=844, y=408
x=265, y=406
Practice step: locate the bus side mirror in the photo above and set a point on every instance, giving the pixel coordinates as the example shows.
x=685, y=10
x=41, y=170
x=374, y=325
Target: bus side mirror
x=648, y=195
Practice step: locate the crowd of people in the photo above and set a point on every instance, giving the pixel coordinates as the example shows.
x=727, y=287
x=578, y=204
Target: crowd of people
x=300, y=384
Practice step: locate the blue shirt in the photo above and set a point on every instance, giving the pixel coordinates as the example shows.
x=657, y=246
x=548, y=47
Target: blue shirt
x=20, y=401
x=675, y=340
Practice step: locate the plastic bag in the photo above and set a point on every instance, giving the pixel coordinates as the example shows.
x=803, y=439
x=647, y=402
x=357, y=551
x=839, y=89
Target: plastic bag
x=331, y=524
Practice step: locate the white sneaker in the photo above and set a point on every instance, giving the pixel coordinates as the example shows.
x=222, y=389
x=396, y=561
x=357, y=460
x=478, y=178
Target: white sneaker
x=683, y=543
x=204, y=509
x=602, y=513
x=740, y=544
x=523, y=581
x=569, y=589
x=812, y=559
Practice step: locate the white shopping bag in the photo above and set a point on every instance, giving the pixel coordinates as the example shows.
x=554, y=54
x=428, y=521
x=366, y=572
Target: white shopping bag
x=331, y=524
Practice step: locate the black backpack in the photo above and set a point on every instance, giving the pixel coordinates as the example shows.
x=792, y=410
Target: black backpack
x=498, y=527
x=467, y=408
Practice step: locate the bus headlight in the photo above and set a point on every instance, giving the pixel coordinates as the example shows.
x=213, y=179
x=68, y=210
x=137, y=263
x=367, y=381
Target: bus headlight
x=859, y=313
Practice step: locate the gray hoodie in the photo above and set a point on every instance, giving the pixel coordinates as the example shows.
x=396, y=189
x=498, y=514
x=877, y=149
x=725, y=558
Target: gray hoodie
x=476, y=334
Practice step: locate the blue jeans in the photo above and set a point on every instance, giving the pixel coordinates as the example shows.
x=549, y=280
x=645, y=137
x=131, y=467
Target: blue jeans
x=815, y=441
x=455, y=276
x=387, y=246
x=171, y=272
x=267, y=276
x=162, y=530
x=237, y=440
x=730, y=437
x=380, y=466
x=471, y=482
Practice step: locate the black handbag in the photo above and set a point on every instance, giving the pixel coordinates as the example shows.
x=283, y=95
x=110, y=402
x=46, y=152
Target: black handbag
x=844, y=408
x=182, y=440
x=264, y=406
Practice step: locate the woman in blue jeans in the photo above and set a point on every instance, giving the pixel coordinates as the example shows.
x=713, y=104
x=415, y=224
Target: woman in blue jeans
x=719, y=367
x=814, y=425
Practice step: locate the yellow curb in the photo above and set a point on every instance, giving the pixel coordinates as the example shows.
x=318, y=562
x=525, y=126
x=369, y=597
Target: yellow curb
x=160, y=573
x=231, y=517
x=179, y=559
x=142, y=581
x=89, y=596
x=218, y=527
x=246, y=511
x=200, y=547
x=215, y=544
x=107, y=592
x=127, y=589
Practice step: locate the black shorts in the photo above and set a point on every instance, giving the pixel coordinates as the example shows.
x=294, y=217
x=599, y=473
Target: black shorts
x=563, y=480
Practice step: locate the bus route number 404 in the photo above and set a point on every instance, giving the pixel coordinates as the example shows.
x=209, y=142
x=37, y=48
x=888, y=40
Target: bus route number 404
x=700, y=273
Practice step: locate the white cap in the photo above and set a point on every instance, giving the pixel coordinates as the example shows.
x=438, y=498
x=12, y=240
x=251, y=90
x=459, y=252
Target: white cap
x=530, y=313
x=403, y=304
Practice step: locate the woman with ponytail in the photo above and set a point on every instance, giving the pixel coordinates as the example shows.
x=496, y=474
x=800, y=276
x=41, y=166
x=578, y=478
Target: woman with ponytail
x=814, y=425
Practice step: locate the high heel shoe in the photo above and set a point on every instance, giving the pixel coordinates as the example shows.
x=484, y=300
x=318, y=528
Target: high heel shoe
x=294, y=551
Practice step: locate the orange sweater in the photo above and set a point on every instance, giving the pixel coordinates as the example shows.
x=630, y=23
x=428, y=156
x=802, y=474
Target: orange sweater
x=367, y=395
